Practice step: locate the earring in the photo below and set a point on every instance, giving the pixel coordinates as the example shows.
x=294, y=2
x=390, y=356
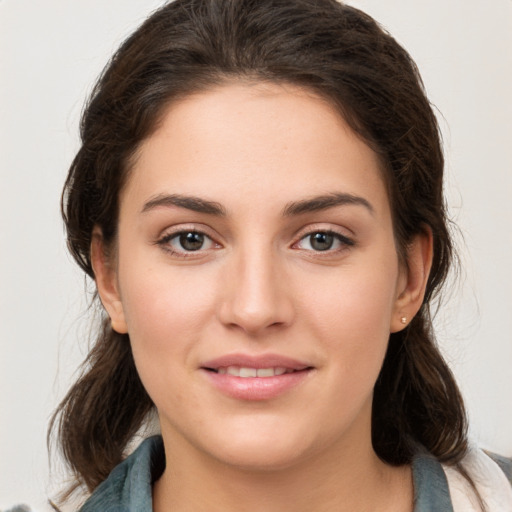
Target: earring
x=403, y=320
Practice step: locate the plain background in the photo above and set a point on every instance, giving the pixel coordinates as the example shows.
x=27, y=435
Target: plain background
x=50, y=54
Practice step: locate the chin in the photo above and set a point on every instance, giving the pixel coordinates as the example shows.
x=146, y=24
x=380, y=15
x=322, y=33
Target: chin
x=260, y=449
x=257, y=457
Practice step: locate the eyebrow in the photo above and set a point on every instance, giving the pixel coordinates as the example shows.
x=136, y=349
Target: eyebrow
x=193, y=203
x=324, y=202
x=313, y=204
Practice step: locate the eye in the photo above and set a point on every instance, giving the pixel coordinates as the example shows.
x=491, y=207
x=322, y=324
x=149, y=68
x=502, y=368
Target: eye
x=324, y=241
x=187, y=241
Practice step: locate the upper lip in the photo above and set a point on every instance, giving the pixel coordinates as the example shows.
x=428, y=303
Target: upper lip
x=256, y=361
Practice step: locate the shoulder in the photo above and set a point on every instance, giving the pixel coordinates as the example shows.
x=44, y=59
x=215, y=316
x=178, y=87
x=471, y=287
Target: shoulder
x=128, y=487
x=491, y=476
x=505, y=464
x=431, y=490
x=441, y=487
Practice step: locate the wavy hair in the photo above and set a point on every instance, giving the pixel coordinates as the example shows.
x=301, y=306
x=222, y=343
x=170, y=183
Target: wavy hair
x=342, y=55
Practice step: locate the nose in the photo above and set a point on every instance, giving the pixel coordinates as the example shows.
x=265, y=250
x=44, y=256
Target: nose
x=256, y=293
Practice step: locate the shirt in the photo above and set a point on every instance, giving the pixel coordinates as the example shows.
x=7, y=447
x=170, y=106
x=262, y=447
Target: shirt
x=129, y=486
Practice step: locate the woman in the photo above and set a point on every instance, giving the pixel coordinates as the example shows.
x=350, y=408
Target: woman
x=258, y=197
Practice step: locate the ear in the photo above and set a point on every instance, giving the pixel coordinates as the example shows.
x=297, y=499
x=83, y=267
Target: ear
x=413, y=280
x=105, y=276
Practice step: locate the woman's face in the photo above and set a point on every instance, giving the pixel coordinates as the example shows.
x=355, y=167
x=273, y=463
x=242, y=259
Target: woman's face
x=257, y=276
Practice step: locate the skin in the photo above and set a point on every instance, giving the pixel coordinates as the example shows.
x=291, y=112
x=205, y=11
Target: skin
x=258, y=286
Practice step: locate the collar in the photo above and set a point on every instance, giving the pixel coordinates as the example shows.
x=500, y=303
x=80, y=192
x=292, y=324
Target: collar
x=128, y=487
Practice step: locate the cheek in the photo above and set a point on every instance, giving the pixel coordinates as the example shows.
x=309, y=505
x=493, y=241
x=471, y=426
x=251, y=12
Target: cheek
x=352, y=316
x=166, y=310
x=357, y=301
x=166, y=314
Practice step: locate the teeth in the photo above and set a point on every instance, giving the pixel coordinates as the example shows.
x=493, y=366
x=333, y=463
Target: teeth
x=244, y=372
x=248, y=372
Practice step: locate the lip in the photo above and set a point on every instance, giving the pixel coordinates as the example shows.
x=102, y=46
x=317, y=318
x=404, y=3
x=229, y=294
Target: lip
x=256, y=388
x=253, y=361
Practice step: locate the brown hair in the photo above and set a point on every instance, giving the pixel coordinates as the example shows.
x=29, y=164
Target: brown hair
x=342, y=55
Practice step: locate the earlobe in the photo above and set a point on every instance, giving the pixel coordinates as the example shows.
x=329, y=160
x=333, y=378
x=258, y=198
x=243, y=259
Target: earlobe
x=106, y=282
x=413, y=281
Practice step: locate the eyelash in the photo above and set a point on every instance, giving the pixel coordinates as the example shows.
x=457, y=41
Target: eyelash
x=343, y=240
x=165, y=240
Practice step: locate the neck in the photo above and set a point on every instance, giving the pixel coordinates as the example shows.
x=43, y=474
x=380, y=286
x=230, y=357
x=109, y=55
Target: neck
x=341, y=480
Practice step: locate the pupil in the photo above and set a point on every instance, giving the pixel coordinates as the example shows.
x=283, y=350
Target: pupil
x=191, y=241
x=321, y=241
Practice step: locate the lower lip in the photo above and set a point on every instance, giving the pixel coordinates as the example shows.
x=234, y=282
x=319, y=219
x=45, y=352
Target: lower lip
x=256, y=388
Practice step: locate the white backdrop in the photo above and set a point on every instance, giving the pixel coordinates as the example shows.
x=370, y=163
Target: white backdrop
x=50, y=54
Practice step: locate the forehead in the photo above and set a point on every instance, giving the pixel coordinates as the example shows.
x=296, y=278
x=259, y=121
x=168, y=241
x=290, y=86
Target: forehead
x=268, y=142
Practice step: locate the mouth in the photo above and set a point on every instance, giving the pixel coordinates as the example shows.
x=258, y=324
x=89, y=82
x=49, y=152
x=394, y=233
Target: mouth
x=256, y=378
x=248, y=372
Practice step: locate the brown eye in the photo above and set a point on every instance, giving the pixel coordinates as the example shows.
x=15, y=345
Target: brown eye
x=183, y=242
x=191, y=241
x=321, y=241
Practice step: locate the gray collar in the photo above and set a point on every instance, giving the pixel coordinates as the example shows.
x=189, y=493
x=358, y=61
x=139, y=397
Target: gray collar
x=128, y=487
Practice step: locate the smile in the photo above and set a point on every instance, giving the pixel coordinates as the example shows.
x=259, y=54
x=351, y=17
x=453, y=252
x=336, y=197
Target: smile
x=245, y=372
x=255, y=378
